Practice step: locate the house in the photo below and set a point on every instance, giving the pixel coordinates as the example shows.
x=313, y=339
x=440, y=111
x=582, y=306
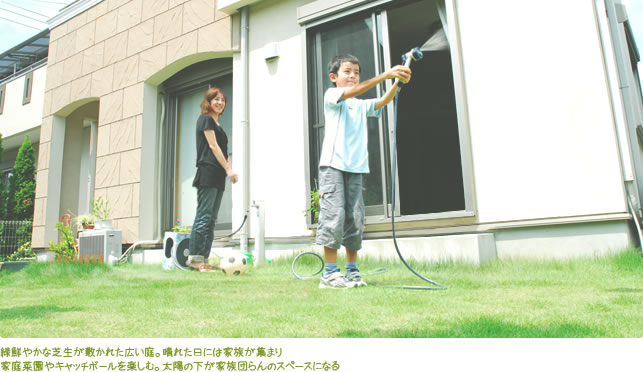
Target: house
x=23, y=71
x=518, y=139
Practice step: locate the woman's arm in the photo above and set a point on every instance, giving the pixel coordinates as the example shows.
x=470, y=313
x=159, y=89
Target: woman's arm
x=218, y=154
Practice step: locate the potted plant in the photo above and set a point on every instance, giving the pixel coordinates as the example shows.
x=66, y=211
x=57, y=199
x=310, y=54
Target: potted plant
x=85, y=221
x=177, y=228
x=18, y=259
x=102, y=213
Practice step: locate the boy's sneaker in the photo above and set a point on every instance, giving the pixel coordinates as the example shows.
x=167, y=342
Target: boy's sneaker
x=334, y=280
x=352, y=276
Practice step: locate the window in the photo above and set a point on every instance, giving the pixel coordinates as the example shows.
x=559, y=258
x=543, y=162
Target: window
x=6, y=175
x=340, y=38
x=2, y=92
x=185, y=91
x=430, y=175
x=26, y=96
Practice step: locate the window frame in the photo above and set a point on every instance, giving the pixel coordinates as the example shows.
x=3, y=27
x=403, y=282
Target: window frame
x=189, y=78
x=3, y=93
x=328, y=15
x=28, y=86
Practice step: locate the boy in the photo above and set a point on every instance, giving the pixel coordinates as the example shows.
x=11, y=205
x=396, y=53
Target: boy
x=343, y=161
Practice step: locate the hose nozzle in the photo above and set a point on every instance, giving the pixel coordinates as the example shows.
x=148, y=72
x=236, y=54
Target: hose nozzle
x=414, y=54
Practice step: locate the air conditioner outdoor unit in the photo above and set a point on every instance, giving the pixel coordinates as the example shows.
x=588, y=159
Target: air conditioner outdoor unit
x=100, y=245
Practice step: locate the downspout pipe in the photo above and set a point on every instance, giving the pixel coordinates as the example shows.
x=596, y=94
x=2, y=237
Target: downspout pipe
x=159, y=220
x=159, y=145
x=624, y=88
x=244, y=121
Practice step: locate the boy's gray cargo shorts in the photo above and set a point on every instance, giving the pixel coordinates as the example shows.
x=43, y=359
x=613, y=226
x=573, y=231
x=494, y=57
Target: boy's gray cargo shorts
x=341, y=216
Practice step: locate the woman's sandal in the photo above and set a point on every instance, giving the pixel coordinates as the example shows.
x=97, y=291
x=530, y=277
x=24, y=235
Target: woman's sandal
x=202, y=268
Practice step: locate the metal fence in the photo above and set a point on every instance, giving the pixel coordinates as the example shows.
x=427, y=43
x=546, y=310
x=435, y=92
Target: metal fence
x=13, y=234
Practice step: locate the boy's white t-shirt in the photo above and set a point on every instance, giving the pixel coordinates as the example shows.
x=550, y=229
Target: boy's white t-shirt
x=346, y=133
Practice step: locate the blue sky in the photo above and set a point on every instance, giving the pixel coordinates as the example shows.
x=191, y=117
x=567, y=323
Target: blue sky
x=21, y=19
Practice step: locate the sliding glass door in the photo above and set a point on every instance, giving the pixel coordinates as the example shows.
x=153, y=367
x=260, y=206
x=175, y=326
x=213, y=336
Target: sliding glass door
x=353, y=36
x=188, y=112
x=185, y=92
x=430, y=175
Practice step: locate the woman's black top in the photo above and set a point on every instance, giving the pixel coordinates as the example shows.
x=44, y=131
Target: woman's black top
x=209, y=173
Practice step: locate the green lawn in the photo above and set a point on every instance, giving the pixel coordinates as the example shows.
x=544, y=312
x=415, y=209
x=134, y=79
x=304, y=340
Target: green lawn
x=521, y=298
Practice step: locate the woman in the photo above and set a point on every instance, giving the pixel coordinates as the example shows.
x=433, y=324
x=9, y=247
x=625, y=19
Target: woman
x=212, y=168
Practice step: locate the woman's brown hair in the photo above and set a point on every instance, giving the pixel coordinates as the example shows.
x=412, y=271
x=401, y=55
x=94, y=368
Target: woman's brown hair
x=209, y=96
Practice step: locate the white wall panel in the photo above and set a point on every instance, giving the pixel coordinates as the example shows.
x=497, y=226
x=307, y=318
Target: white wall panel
x=277, y=164
x=542, y=130
x=16, y=117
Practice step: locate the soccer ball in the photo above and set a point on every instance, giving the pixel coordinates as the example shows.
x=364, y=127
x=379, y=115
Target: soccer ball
x=234, y=264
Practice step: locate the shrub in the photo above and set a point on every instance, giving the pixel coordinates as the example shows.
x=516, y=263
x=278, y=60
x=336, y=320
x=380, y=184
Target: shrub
x=66, y=249
x=23, y=253
x=314, y=205
x=24, y=232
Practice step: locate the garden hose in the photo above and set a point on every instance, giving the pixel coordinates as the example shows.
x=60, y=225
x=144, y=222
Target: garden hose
x=245, y=218
x=380, y=270
x=300, y=277
x=177, y=253
x=126, y=255
x=393, y=170
x=436, y=285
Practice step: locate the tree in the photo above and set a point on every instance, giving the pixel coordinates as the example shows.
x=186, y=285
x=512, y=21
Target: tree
x=22, y=188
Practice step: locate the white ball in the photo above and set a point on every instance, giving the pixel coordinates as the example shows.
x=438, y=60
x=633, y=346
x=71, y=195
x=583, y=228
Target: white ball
x=234, y=264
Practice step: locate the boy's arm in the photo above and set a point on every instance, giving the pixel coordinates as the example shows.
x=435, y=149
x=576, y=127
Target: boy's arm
x=387, y=97
x=397, y=72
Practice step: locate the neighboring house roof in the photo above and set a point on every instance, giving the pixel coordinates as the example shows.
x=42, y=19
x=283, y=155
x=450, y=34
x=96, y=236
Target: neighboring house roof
x=69, y=5
x=23, y=55
x=70, y=11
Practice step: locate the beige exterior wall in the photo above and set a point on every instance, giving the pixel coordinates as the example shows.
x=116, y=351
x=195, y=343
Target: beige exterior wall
x=107, y=53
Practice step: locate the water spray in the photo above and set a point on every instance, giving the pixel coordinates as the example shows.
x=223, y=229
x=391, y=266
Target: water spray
x=437, y=41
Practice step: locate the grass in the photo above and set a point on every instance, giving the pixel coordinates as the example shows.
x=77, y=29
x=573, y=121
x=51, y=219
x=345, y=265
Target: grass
x=600, y=297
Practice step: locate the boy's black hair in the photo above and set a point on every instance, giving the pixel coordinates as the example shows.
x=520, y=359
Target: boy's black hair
x=333, y=65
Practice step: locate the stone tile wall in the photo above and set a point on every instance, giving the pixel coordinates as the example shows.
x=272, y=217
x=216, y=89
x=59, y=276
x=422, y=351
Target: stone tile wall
x=107, y=53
